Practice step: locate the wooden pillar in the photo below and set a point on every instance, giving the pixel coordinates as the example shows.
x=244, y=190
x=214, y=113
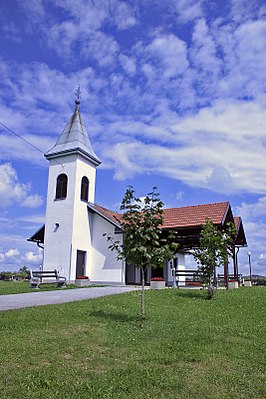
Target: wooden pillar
x=235, y=263
x=225, y=265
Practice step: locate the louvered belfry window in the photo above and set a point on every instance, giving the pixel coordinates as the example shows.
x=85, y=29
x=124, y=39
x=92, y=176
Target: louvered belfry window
x=84, y=194
x=61, y=187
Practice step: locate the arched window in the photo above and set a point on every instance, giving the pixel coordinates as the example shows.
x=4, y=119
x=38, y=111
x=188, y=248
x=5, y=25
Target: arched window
x=84, y=193
x=61, y=187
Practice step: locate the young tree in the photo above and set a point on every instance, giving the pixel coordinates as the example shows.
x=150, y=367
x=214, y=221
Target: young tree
x=214, y=246
x=143, y=245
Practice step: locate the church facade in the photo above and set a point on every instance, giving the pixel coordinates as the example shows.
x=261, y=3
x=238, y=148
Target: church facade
x=72, y=236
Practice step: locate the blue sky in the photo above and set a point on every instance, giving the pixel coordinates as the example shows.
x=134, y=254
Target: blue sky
x=173, y=95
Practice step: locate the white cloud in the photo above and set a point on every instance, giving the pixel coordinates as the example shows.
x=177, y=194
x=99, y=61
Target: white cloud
x=149, y=71
x=220, y=181
x=10, y=256
x=171, y=52
x=13, y=259
x=188, y=10
x=245, y=9
x=32, y=219
x=101, y=47
x=129, y=64
x=32, y=201
x=204, y=53
x=214, y=149
x=16, y=252
x=244, y=62
x=34, y=122
x=12, y=252
x=32, y=258
x=253, y=216
x=95, y=14
x=62, y=37
x=83, y=30
x=253, y=211
x=237, y=128
x=12, y=191
x=33, y=7
x=123, y=14
x=15, y=149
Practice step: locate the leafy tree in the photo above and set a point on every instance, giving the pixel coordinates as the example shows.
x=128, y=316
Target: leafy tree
x=143, y=244
x=213, y=250
x=228, y=237
x=24, y=272
x=6, y=275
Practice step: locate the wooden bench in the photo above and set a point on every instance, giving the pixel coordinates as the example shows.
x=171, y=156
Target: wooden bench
x=238, y=277
x=40, y=277
x=192, y=277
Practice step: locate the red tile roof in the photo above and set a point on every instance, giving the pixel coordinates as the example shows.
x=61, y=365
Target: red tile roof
x=189, y=216
x=107, y=213
x=185, y=217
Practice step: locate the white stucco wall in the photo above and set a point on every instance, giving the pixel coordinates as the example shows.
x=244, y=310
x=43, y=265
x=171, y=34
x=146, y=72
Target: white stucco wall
x=61, y=244
x=81, y=232
x=104, y=266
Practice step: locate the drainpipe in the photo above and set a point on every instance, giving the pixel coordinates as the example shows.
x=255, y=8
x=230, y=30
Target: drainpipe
x=70, y=256
x=39, y=245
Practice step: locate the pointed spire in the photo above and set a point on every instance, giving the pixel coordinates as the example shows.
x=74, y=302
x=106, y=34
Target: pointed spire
x=74, y=138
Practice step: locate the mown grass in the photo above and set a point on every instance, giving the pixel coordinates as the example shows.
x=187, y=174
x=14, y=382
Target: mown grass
x=20, y=287
x=189, y=348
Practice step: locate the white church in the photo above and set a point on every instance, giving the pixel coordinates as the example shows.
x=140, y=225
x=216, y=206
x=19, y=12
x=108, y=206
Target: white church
x=72, y=237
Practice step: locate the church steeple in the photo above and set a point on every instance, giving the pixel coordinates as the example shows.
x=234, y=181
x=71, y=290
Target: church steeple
x=74, y=139
x=71, y=186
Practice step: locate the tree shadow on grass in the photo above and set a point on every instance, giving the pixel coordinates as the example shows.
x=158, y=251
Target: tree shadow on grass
x=190, y=293
x=121, y=317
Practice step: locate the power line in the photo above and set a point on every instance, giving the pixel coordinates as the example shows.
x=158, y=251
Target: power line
x=20, y=137
x=27, y=142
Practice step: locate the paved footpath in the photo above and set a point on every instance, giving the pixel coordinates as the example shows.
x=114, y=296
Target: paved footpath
x=16, y=301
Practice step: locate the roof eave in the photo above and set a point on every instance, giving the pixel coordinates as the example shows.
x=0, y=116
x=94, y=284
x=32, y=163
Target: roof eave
x=72, y=151
x=31, y=239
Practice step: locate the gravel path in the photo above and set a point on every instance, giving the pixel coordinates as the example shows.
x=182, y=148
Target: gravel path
x=16, y=301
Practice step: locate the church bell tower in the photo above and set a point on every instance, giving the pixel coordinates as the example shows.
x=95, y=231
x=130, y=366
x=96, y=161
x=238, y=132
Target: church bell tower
x=71, y=186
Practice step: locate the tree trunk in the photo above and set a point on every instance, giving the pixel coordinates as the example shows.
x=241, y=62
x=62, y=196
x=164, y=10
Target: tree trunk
x=210, y=291
x=142, y=297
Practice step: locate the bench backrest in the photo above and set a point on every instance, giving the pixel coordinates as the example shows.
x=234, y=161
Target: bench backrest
x=221, y=276
x=44, y=273
x=187, y=272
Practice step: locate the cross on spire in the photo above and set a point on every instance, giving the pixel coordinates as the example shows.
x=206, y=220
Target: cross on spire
x=78, y=95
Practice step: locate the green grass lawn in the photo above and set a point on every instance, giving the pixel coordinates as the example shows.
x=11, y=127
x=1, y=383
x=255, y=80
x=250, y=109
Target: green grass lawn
x=190, y=347
x=19, y=287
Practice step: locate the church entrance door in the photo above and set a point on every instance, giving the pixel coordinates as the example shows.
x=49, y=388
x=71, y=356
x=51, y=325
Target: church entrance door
x=81, y=263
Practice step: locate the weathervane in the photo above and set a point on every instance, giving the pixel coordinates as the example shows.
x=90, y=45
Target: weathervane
x=78, y=95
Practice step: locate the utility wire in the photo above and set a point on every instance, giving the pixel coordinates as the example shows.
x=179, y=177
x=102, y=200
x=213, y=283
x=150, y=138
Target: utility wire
x=20, y=137
x=27, y=142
